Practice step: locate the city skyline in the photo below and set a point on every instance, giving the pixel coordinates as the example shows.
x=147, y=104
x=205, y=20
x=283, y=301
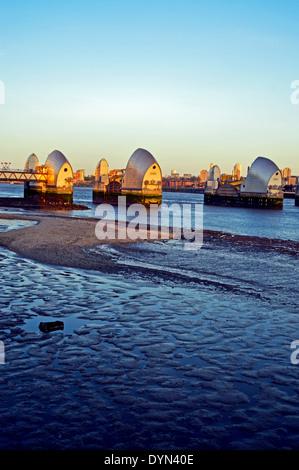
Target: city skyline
x=237, y=172
x=190, y=82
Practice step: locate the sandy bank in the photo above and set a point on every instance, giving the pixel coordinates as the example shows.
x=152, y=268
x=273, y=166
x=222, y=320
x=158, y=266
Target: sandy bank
x=56, y=240
x=64, y=241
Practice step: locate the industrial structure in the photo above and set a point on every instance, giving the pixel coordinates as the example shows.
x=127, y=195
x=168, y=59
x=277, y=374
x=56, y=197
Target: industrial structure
x=213, y=179
x=140, y=181
x=57, y=182
x=262, y=188
x=32, y=163
x=101, y=181
x=263, y=185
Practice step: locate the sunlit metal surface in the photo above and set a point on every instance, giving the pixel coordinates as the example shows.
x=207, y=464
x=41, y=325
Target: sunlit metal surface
x=263, y=174
x=102, y=169
x=54, y=163
x=31, y=162
x=140, y=161
x=214, y=173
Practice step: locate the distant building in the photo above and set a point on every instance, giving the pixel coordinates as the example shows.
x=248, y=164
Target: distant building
x=287, y=177
x=286, y=173
x=174, y=182
x=237, y=171
x=227, y=177
x=79, y=176
x=203, y=176
x=293, y=180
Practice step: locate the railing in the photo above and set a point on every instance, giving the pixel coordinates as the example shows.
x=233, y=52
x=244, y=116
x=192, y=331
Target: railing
x=21, y=170
x=22, y=175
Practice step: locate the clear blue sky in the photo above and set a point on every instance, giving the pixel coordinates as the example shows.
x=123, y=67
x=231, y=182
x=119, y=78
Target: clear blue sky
x=193, y=82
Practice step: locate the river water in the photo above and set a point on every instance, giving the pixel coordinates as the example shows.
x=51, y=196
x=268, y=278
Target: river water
x=262, y=223
x=189, y=350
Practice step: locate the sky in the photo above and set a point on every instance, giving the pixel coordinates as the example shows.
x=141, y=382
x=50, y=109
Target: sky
x=194, y=82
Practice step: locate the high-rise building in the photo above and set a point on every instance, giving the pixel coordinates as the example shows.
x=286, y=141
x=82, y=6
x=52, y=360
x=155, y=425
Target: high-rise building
x=203, y=176
x=237, y=171
x=286, y=173
x=287, y=176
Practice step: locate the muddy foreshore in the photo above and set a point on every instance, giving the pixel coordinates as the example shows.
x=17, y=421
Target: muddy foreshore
x=65, y=241
x=21, y=203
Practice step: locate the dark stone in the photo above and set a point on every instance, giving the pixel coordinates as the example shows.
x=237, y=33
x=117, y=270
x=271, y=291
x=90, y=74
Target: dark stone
x=51, y=326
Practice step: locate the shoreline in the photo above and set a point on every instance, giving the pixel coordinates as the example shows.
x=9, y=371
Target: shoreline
x=65, y=241
x=21, y=203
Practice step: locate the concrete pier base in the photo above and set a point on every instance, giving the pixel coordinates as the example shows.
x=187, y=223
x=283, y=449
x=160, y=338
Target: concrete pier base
x=216, y=200
x=107, y=197
x=261, y=202
x=98, y=197
x=34, y=191
x=250, y=201
x=59, y=195
x=143, y=197
x=43, y=193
